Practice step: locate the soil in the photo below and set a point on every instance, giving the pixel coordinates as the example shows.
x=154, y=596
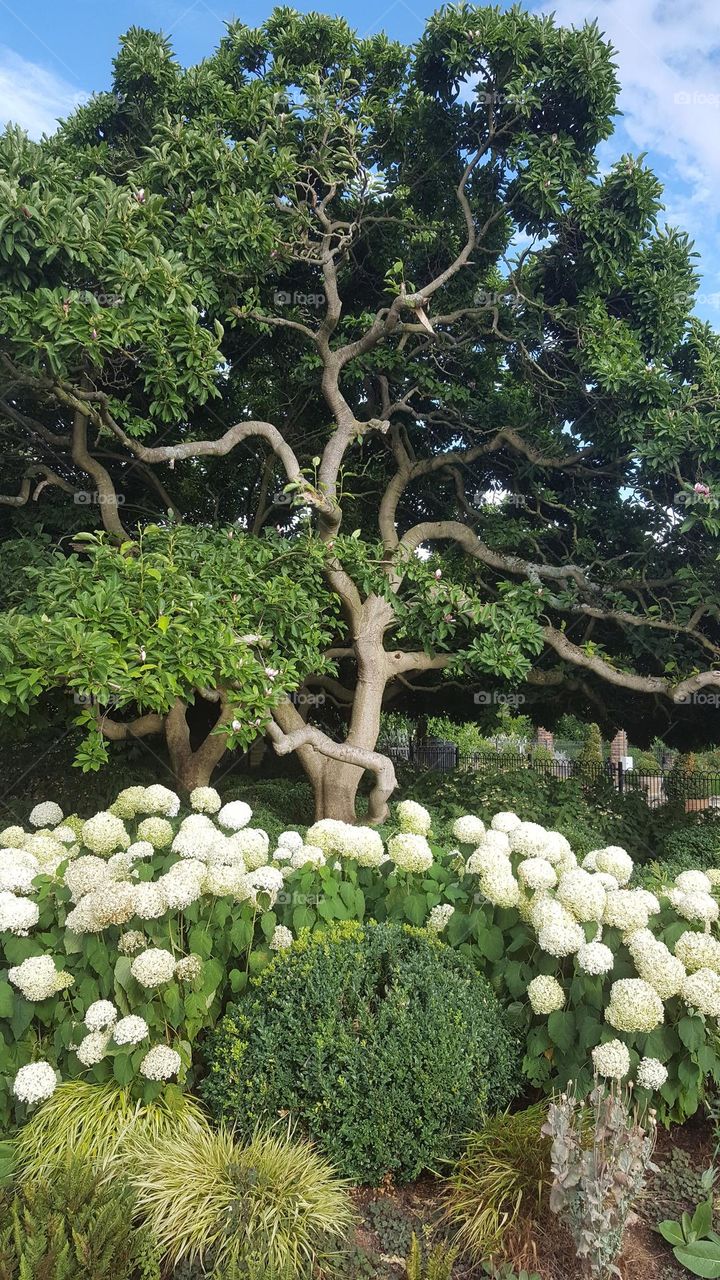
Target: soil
x=389, y=1215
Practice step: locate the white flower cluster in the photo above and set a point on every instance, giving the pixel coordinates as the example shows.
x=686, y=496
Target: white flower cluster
x=469, y=829
x=439, y=917
x=46, y=814
x=34, y=1083
x=153, y=967
x=37, y=978
x=413, y=818
x=410, y=852
x=160, y=1063
x=545, y=994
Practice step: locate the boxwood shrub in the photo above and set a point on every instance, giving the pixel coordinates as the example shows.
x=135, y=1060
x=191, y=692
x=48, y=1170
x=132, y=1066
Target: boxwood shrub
x=379, y=1040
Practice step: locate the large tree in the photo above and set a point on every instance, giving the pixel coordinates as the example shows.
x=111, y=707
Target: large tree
x=384, y=299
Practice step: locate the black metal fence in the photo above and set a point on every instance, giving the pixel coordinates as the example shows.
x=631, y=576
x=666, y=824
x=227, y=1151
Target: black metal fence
x=695, y=790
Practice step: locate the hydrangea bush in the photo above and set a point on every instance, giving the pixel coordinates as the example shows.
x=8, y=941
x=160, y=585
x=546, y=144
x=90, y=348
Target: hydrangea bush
x=123, y=936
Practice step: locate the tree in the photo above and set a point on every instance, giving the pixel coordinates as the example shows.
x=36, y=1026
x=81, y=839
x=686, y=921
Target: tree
x=381, y=300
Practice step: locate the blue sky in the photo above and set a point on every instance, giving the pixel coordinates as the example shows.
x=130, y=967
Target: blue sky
x=52, y=52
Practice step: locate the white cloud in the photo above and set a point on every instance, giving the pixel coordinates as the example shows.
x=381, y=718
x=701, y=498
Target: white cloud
x=32, y=96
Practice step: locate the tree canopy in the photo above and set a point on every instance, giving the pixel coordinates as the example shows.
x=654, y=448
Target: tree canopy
x=380, y=305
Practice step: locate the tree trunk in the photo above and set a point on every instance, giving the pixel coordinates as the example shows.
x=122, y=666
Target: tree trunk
x=193, y=768
x=335, y=789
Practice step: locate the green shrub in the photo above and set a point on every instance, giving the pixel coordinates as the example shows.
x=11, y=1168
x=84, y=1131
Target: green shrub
x=272, y=1209
x=381, y=1041
x=499, y=1176
x=437, y=1266
x=70, y=1228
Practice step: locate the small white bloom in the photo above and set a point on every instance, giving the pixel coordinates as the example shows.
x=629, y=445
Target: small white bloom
x=468, y=829
x=282, y=938
x=410, y=852
x=611, y=1060
x=701, y=991
x=537, y=873
x=157, y=799
x=34, y=1083
x=291, y=840
x=595, y=958
x=205, y=800
x=104, y=833
x=505, y=822
x=694, y=905
x=693, y=882
x=153, y=967
x=698, y=951
x=439, y=917
x=634, y=1006
x=308, y=856
x=148, y=901
x=265, y=880
x=235, y=815
x=101, y=1015
x=130, y=1030
x=17, y=915
x=131, y=942
x=37, y=978
x=651, y=1074
x=47, y=814
x=155, y=831
x=189, y=968
x=160, y=1063
x=413, y=818
x=545, y=995
x=93, y=1047
x=580, y=892
x=613, y=860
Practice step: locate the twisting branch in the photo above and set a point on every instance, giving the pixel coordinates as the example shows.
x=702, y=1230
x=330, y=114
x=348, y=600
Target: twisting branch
x=26, y=486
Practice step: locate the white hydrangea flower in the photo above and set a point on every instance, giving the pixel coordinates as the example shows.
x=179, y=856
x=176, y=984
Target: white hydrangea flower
x=656, y=963
x=556, y=848
x=537, y=873
x=82, y=918
x=153, y=967
x=137, y=852
x=309, y=856
x=410, y=852
x=34, y=1083
x=85, y=874
x=235, y=815
x=130, y=1030
x=101, y=1015
x=127, y=805
x=17, y=915
x=265, y=880
x=595, y=958
x=131, y=942
x=291, y=840
x=158, y=799
x=613, y=860
x=189, y=968
x=155, y=831
x=698, y=951
x=329, y=834
x=205, y=800
x=580, y=892
x=160, y=1063
x=694, y=906
x=282, y=938
x=104, y=833
x=712, y=873
x=634, y=1006
x=148, y=901
x=48, y=851
x=651, y=1074
x=485, y=858
x=611, y=1060
x=527, y=838
x=505, y=821
x=500, y=888
x=440, y=916
x=226, y=882
x=701, y=991
x=559, y=938
x=253, y=845
x=93, y=1047
x=363, y=844
x=110, y=904
x=47, y=814
x=179, y=891
x=545, y=994
x=468, y=829
x=37, y=978
x=693, y=882
x=12, y=838
x=413, y=818
x=625, y=910
x=607, y=881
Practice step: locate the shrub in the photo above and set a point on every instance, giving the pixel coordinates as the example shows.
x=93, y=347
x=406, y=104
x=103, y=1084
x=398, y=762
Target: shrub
x=381, y=1041
x=97, y=1124
x=499, y=1176
x=71, y=1228
x=271, y=1208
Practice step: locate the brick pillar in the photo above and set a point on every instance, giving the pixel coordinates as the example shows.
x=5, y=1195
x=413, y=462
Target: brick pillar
x=544, y=738
x=618, y=746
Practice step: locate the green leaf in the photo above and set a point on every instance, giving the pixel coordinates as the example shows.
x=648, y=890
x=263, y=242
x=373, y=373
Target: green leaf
x=671, y=1231
x=702, y=1258
x=7, y=1000
x=561, y=1029
x=692, y=1032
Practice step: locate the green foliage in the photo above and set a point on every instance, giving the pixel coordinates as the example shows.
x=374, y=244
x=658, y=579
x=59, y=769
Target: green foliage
x=71, y=1228
x=695, y=1245
x=98, y=1125
x=341, y=1012
x=178, y=611
x=677, y=1184
x=498, y=1179
x=269, y=1207
x=438, y=1265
